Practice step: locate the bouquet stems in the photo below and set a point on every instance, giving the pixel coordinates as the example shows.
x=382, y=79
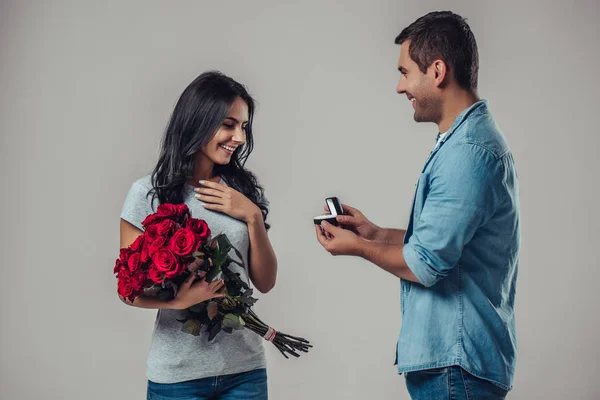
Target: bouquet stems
x=285, y=343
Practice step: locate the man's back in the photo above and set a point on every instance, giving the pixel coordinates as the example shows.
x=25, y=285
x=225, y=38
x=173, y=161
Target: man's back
x=463, y=245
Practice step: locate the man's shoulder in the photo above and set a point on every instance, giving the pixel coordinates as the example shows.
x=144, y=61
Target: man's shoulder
x=482, y=130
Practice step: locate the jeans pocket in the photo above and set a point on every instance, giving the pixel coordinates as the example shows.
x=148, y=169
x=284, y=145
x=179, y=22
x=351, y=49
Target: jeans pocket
x=478, y=388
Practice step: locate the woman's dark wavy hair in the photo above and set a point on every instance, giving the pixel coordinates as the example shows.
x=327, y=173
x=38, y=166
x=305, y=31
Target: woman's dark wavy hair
x=198, y=115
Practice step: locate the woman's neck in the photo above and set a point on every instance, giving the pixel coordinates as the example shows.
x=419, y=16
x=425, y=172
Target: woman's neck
x=204, y=170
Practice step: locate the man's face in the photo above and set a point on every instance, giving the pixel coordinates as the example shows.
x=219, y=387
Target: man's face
x=420, y=89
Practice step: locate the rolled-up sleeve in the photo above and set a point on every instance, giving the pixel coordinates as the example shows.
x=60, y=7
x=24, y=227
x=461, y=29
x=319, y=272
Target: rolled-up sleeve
x=463, y=193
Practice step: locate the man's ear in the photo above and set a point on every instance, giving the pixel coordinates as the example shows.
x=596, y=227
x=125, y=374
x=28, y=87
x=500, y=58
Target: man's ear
x=440, y=72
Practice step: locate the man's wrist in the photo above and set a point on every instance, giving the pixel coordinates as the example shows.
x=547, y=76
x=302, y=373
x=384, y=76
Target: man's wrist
x=363, y=249
x=379, y=235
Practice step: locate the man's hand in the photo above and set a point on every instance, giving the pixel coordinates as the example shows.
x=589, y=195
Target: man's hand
x=355, y=221
x=338, y=241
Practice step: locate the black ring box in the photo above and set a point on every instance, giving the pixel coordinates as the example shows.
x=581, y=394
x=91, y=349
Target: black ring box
x=335, y=208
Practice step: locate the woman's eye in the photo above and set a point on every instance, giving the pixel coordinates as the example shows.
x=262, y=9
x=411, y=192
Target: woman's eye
x=228, y=126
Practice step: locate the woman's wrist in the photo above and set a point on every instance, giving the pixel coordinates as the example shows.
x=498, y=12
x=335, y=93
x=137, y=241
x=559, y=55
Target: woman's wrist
x=174, y=304
x=255, y=218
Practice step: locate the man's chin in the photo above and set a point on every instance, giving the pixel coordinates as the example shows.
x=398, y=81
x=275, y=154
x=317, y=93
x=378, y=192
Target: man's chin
x=422, y=118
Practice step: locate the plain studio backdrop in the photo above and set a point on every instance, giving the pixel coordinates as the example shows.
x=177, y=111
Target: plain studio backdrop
x=87, y=87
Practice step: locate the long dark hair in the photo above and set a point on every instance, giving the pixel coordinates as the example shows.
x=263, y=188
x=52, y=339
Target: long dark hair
x=198, y=115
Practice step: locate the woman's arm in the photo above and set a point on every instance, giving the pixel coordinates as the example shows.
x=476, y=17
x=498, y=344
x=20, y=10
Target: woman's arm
x=263, y=262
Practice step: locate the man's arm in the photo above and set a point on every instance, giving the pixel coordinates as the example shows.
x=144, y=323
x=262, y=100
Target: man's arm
x=357, y=222
x=390, y=236
x=462, y=197
x=388, y=257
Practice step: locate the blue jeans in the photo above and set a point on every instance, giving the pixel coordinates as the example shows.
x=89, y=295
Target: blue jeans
x=450, y=383
x=250, y=385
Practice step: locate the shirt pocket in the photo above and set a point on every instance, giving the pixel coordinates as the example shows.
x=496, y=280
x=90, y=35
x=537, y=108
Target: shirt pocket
x=421, y=195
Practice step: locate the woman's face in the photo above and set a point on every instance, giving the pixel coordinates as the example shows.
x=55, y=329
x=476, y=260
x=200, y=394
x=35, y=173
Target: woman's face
x=230, y=135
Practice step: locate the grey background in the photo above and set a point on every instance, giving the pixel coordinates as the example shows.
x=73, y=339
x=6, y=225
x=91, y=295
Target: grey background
x=86, y=89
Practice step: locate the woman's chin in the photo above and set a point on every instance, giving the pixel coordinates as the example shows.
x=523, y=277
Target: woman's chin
x=223, y=161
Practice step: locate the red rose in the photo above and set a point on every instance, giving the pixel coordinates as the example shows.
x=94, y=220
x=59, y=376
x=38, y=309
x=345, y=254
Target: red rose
x=167, y=210
x=125, y=284
x=175, y=212
x=155, y=274
x=152, y=233
x=184, y=242
x=138, y=243
x=124, y=254
x=118, y=265
x=134, y=262
x=151, y=219
x=159, y=243
x=199, y=227
x=166, y=262
x=145, y=253
x=184, y=213
x=179, y=268
x=138, y=281
x=166, y=228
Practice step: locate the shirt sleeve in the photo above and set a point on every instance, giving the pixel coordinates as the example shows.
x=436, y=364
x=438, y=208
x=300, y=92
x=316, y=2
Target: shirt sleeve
x=463, y=193
x=137, y=205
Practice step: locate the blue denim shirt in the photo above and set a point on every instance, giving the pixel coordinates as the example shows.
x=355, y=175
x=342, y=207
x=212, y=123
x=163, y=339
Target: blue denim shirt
x=462, y=243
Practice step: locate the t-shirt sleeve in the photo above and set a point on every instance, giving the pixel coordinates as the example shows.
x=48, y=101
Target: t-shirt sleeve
x=138, y=204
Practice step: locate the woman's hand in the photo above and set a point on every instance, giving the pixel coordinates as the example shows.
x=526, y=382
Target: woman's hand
x=191, y=293
x=218, y=197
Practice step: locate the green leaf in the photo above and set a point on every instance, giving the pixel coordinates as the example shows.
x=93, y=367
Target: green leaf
x=192, y=327
x=223, y=243
x=233, y=321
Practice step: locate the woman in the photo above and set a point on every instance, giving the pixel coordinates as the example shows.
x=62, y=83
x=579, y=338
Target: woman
x=206, y=144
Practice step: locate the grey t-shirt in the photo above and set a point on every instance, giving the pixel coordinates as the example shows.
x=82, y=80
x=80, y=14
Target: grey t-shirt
x=176, y=356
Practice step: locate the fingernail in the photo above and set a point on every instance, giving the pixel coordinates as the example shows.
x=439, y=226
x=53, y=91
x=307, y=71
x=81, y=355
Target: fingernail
x=197, y=196
x=202, y=182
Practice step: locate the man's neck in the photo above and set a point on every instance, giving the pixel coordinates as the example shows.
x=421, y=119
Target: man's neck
x=456, y=102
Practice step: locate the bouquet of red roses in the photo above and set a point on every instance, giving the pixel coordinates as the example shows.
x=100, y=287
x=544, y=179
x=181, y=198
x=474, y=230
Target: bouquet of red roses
x=175, y=245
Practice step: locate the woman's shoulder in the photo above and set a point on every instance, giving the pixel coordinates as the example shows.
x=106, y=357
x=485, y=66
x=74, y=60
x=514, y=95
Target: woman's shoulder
x=138, y=204
x=142, y=183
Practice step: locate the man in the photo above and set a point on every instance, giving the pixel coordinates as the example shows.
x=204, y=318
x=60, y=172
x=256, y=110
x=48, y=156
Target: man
x=458, y=258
